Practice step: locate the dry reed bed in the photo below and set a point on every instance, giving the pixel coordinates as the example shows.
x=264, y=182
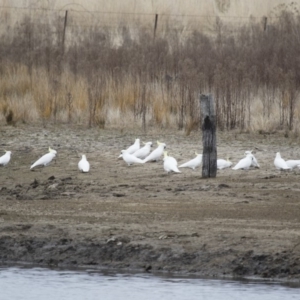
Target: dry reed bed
x=252, y=72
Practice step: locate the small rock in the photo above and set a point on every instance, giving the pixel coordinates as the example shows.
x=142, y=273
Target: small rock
x=163, y=237
x=67, y=179
x=223, y=185
x=68, y=194
x=34, y=184
x=118, y=195
x=111, y=240
x=148, y=268
x=205, y=188
x=52, y=186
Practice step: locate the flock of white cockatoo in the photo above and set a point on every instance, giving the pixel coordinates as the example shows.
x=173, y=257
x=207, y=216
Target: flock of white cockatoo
x=135, y=154
x=45, y=160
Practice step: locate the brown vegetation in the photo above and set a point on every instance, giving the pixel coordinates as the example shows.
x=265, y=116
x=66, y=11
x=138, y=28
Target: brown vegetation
x=88, y=75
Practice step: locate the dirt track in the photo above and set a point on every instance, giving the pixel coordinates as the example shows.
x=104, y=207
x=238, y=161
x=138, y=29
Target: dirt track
x=238, y=224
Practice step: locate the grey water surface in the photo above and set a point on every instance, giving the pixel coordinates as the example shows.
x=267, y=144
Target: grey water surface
x=43, y=284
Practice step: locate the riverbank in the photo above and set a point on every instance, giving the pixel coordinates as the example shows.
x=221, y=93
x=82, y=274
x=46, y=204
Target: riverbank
x=239, y=224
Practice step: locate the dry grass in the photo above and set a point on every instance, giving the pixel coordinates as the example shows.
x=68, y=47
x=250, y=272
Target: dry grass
x=252, y=74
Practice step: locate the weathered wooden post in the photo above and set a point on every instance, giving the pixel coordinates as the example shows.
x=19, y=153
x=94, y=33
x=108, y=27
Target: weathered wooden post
x=155, y=25
x=265, y=22
x=209, y=159
x=64, y=34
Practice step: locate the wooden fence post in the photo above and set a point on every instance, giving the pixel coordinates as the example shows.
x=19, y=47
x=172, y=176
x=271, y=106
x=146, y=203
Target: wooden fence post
x=64, y=33
x=265, y=22
x=209, y=159
x=155, y=25
x=144, y=108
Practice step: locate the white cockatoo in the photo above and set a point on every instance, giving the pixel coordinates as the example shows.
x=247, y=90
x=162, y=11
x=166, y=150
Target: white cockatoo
x=170, y=163
x=45, y=159
x=144, y=151
x=244, y=163
x=293, y=163
x=254, y=160
x=223, y=163
x=134, y=147
x=130, y=159
x=4, y=159
x=193, y=163
x=280, y=163
x=156, y=153
x=84, y=165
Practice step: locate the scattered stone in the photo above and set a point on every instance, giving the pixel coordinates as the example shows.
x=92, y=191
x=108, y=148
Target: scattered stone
x=52, y=186
x=270, y=177
x=148, y=268
x=111, y=240
x=119, y=195
x=205, y=188
x=163, y=237
x=66, y=179
x=223, y=185
x=34, y=184
x=23, y=197
x=179, y=189
x=68, y=194
x=43, y=197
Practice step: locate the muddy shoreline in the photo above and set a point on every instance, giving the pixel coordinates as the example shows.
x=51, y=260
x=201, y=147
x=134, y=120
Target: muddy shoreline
x=240, y=224
x=115, y=254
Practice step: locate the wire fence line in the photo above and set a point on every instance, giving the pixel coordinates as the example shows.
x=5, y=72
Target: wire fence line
x=117, y=13
x=71, y=50
x=185, y=23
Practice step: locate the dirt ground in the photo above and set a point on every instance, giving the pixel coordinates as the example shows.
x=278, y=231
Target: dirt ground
x=241, y=224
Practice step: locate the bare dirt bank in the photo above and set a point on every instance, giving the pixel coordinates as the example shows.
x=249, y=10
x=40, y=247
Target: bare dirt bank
x=238, y=224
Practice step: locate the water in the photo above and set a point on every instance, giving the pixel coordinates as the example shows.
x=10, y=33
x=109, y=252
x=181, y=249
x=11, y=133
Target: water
x=44, y=284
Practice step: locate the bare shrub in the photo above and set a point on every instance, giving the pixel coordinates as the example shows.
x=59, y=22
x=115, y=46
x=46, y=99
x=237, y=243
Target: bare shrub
x=155, y=81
